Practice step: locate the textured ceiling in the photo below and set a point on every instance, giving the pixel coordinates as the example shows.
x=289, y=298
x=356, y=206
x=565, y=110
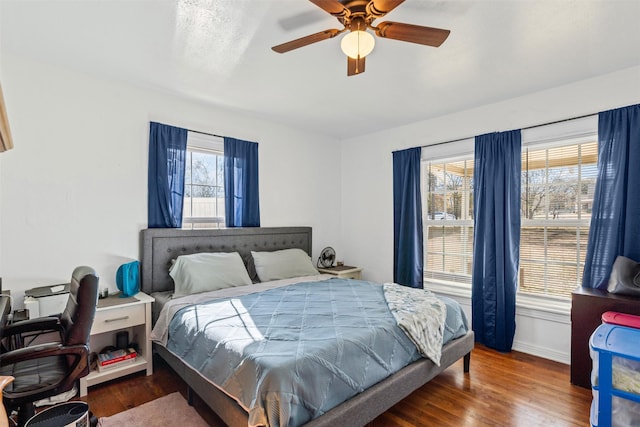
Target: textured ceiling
x=218, y=52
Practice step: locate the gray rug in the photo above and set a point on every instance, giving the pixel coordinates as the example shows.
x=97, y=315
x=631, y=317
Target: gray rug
x=170, y=410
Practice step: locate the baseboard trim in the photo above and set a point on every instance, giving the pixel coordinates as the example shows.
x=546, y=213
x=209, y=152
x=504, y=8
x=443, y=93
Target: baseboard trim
x=544, y=352
x=561, y=318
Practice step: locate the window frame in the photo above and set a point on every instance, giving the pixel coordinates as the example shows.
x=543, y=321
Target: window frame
x=575, y=132
x=198, y=142
x=558, y=134
x=461, y=150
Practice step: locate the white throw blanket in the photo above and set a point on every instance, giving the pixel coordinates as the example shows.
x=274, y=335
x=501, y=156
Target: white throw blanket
x=421, y=315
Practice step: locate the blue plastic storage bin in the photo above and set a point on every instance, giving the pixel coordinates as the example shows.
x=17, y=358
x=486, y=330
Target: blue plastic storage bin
x=615, y=378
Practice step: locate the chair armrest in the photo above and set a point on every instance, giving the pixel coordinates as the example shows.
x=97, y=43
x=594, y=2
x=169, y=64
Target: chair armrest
x=42, y=350
x=40, y=324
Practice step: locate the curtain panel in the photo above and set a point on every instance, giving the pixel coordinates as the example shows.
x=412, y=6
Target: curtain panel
x=496, y=243
x=242, y=200
x=167, y=156
x=615, y=219
x=408, y=249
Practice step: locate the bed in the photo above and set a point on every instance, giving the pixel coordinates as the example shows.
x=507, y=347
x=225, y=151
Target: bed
x=161, y=247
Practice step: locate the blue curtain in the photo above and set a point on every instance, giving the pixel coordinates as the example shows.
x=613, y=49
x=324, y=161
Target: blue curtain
x=167, y=156
x=615, y=219
x=496, y=243
x=408, y=259
x=242, y=201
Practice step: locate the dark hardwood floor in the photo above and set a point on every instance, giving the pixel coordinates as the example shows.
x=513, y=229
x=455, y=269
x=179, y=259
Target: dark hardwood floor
x=513, y=389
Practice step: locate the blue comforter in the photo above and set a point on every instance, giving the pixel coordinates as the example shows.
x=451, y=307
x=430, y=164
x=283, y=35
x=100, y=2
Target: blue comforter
x=290, y=354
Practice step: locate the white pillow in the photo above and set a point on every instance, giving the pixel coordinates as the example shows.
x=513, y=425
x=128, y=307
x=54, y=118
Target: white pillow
x=206, y=271
x=283, y=264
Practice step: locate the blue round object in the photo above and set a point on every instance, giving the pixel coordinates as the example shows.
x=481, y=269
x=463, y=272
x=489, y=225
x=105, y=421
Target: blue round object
x=128, y=279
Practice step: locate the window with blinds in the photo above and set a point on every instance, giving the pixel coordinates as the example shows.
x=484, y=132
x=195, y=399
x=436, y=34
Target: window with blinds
x=558, y=183
x=447, y=200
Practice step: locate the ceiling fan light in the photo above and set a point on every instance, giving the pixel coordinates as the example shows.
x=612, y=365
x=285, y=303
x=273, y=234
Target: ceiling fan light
x=357, y=44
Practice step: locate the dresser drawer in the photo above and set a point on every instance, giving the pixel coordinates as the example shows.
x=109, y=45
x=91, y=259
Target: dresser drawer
x=117, y=318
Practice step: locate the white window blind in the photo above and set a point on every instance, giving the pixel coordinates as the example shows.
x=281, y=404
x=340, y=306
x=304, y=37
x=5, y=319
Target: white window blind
x=558, y=183
x=559, y=171
x=447, y=203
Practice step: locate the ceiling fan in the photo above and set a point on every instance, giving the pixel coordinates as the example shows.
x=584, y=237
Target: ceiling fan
x=357, y=16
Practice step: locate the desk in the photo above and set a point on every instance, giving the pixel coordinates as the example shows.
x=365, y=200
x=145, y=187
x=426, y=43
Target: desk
x=587, y=306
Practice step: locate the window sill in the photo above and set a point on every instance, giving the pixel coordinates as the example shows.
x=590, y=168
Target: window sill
x=527, y=305
x=448, y=288
x=549, y=305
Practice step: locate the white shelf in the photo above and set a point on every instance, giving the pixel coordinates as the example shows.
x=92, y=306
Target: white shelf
x=133, y=316
x=97, y=377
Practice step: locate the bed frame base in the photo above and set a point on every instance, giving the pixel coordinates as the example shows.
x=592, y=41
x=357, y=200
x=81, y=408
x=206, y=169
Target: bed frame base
x=357, y=411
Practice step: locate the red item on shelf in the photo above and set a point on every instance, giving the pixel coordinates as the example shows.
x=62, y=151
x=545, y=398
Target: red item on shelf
x=110, y=358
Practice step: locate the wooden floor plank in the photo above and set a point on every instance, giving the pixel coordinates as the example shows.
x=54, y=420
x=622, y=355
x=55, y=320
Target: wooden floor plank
x=502, y=389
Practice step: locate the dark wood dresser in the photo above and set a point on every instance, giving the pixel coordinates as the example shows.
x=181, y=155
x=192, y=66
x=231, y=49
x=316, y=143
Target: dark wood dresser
x=587, y=306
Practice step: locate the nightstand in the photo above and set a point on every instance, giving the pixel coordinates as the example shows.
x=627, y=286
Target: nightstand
x=115, y=314
x=343, y=271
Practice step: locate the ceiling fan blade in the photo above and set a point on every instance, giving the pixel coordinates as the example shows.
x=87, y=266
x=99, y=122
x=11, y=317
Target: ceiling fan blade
x=355, y=66
x=307, y=40
x=379, y=8
x=412, y=33
x=334, y=7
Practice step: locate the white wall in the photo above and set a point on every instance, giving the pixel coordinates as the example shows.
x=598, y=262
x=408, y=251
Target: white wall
x=367, y=199
x=74, y=189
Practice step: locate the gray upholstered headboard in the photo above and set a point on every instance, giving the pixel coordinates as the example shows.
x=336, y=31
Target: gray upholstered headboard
x=158, y=246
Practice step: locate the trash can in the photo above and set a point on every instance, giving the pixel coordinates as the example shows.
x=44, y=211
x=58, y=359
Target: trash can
x=615, y=377
x=69, y=414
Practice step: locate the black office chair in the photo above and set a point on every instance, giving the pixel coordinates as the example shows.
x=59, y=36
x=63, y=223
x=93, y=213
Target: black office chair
x=48, y=369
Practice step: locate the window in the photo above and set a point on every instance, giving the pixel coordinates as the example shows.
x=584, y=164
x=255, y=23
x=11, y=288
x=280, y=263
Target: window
x=559, y=169
x=204, y=182
x=447, y=200
x=558, y=183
